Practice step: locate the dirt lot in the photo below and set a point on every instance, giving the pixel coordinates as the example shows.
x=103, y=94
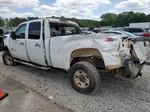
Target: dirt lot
x=114, y=95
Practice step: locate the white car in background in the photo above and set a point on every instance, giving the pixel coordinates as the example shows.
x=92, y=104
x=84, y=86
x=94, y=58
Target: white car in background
x=124, y=33
x=88, y=32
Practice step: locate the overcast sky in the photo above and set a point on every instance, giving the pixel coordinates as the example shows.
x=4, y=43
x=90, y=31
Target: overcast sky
x=85, y=9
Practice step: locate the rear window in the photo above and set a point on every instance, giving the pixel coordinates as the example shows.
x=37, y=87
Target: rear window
x=61, y=29
x=133, y=30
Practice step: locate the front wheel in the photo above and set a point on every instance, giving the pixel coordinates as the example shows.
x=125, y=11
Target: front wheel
x=8, y=59
x=84, y=77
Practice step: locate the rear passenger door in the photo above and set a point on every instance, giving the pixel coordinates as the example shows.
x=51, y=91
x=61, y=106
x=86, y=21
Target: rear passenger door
x=35, y=43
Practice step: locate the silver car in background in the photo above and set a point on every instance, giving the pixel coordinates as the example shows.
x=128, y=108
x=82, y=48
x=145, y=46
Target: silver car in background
x=144, y=32
x=124, y=33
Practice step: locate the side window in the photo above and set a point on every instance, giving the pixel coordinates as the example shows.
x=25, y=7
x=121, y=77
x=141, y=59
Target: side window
x=133, y=30
x=110, y=32
x=117, y=33
x=137, y=30
x=106, y=32
x=126, y=29
x=20, y=32
x=34, y=30
x=62, y=29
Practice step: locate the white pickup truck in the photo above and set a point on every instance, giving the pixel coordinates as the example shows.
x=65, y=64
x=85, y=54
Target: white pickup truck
x=55, y=43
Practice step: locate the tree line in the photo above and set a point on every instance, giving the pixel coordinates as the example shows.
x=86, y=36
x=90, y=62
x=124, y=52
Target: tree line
x=108, y=19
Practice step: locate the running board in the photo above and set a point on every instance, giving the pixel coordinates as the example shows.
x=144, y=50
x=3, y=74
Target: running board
x=30, y=64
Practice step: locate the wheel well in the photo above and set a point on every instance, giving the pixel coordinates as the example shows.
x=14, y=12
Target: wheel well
x=97, y=62
x=75, y=60
x=87, y=54
x=1, y=40
x=6, y=48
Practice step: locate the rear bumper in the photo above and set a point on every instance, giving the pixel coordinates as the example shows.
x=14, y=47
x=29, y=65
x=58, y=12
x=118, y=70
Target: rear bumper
x=133, y=66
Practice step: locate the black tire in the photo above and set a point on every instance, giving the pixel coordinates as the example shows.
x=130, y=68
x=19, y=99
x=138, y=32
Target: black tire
x=1, y=46
x=5, y=55
x=92, y=73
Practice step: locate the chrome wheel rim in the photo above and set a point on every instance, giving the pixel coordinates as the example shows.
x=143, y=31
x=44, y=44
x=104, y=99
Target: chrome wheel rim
x=8, y=60
x=81, y=79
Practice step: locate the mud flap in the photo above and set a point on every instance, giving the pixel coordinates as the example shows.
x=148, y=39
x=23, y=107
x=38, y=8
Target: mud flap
x=131, y=67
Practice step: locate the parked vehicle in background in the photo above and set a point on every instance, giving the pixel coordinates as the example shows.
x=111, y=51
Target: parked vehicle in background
x=148, y=30
x=55, y=43
x=6, y=32
x=88, y=32
x=138, y=31
x=140, y=25
x=124, y=33
x=143, y=32
x=95, y=30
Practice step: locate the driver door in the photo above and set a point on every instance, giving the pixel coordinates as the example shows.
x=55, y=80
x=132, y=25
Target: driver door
x=18, y=45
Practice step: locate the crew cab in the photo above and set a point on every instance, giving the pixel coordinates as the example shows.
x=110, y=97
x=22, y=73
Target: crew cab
x=54, y=43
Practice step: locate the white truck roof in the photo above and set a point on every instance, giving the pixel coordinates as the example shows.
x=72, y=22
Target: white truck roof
x=61, y=21
x=54, y=20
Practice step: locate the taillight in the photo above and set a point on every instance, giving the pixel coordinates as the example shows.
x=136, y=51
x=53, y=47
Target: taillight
x=109, y=39
x=146, y=34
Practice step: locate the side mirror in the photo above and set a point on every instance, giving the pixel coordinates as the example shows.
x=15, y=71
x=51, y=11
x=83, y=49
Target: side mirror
x=13, y=35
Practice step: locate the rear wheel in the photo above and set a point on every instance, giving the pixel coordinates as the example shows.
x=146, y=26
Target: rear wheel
x=1, y=46
x=84, y=77
x=8, y=59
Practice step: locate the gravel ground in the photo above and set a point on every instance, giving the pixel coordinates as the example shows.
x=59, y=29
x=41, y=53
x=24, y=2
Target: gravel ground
x=115, y=95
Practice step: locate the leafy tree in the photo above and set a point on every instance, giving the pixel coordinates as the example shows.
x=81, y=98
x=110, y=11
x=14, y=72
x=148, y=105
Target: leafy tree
x=123, y=19
x=13, y=22
x=148, y=18
x=62, y=17
x=108, y=19
x=2, y=22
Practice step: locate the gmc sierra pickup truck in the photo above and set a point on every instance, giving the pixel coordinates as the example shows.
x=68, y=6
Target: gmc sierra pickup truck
x=55, y=43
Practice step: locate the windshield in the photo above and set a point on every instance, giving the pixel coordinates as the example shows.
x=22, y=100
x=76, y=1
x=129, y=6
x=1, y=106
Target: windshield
x=62, y=29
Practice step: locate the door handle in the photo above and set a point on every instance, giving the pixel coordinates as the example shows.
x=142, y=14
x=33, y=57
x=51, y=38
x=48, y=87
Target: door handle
x=21, y=43
x=37, y=45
